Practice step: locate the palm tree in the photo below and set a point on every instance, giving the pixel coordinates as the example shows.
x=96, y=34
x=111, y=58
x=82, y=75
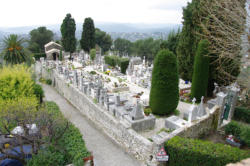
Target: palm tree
x=13, y=51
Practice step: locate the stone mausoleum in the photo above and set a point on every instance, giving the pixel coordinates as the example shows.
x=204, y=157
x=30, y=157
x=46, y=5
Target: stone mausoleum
x=52, y=50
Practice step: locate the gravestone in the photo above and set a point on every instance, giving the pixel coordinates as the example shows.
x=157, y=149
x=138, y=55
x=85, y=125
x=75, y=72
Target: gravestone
x=137, y=112
x=201, y=108
x=193, y=112
x=117, y=100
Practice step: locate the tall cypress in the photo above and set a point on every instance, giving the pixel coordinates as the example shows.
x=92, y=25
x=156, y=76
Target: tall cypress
x=88, y=35
x=201, y=71
x=68, y=29
x=189, y=38
x=164, y=94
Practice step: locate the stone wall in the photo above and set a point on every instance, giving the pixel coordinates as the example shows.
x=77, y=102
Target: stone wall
x=116, y=129
x=202, y=127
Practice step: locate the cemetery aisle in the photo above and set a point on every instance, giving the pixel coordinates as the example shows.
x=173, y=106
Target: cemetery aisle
x=106, y=153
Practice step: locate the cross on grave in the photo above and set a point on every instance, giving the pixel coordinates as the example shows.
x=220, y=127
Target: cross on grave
x=201, y=108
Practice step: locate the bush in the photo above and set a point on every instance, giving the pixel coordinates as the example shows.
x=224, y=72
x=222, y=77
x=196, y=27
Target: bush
x=38, y=91
x=71, y=147
x=164, y=94
x=15, y=82
x=123, y=63
x=201, y=71
x=60, y=56
x=192, y=152
x=37, y=56
x=147, y=111
x=49, y=81
x=93, y=72
x=239, y=130
x=92, y=54
x=115, y=60
x=111, y=60
x=242, y=114
x=233, y=128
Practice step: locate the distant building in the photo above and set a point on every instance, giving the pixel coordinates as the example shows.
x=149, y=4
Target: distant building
x=52, y=50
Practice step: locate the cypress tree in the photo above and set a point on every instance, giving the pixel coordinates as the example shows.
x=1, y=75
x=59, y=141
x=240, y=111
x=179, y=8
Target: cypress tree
x=164, y=94
x=68, y=29
x=88, y=35
x=201, y=71
x=60, y=56
x=188, y=40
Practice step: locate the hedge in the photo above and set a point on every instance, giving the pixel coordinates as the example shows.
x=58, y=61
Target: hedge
x=124, y=62
x=37, y=56
x=201, y=71
x=38, y=91
x=239, y=130
x=164, y=93
x=193, y=152
x=111, y=60
x=72, y=150
x=242, y=114
x=115, y=60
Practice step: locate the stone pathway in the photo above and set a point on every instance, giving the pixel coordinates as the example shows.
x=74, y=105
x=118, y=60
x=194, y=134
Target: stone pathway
x=106, y=153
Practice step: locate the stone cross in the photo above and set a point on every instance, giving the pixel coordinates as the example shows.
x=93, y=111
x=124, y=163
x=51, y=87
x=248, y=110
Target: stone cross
x=201, y=108
x=194, y=100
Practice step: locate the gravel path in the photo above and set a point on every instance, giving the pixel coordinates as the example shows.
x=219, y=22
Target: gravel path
x=106, y=153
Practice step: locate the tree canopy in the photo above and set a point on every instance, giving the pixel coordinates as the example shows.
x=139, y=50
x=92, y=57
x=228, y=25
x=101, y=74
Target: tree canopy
x=147, y=47
x=38, y=38
x=103, y=40
x=68, y=29
x=188, y=40
x=122, y=46
x=13, y=50
x=88, y=35
x=172, y=41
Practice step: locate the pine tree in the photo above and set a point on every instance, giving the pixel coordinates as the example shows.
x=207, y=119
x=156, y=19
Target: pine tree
x=164, y=94
x=201, y=71
x=88, y=35
x=68, y=29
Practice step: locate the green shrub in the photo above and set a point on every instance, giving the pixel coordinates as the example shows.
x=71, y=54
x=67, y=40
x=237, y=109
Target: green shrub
x=239, y=130
x=47, y=157
x=93, y=72
x=245, y=136
x=123, y=63
x=192, y=152
x=115, y=60
x=111, y=60
x=201, y=71
x=71, y=147
x=147, y=111
x=242, y=114
x=60, y=56
x=92, y=54
x=38, y=91
x=233, y=128
x=15, y=82
x=49, y=81
x=37, y=56
x=164, y=94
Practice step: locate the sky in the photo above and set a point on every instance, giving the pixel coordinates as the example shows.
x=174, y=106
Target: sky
x=14, y=13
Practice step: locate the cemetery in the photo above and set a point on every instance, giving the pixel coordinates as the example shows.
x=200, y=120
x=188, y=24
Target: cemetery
x=115, y=103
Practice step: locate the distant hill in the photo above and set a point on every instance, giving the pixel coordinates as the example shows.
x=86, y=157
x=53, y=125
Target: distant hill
x=117, y=28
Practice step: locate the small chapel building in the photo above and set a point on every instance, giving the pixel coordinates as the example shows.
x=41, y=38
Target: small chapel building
x=52, y=50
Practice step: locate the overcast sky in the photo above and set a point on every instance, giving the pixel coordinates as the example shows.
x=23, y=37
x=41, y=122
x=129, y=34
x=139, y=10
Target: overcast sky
x=43, y=12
